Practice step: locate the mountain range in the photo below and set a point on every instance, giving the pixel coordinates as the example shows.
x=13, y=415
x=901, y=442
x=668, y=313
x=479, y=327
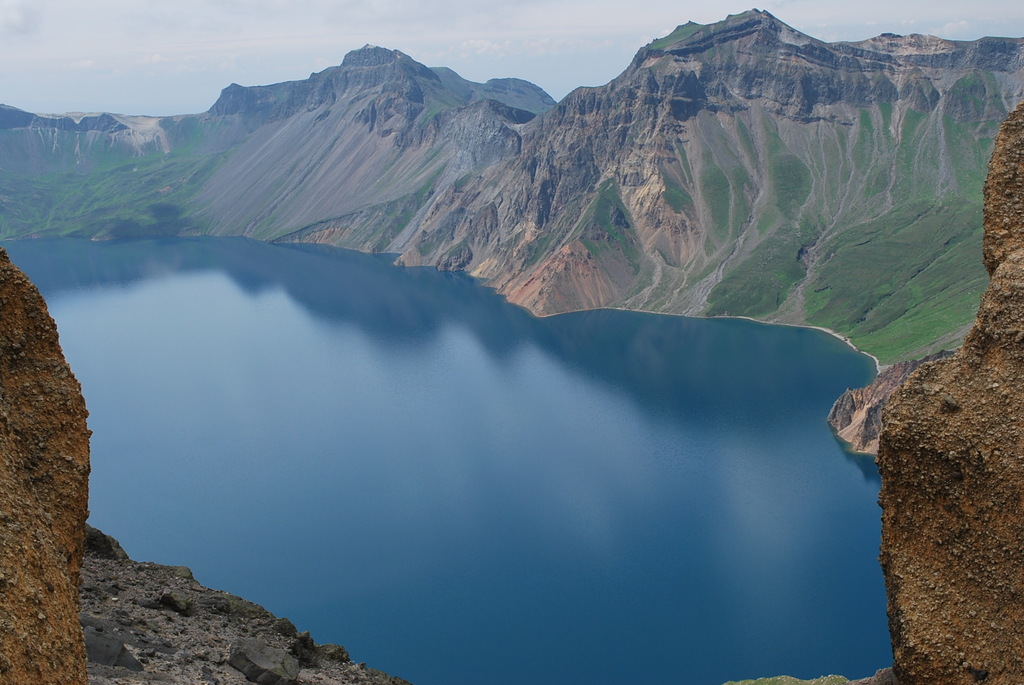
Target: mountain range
x=739, y=168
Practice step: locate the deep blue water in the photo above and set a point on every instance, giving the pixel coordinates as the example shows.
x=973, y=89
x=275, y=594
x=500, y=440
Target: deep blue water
x=401, y=462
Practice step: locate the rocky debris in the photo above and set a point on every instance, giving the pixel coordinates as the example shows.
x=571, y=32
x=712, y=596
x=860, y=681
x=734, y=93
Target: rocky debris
x=789, y=680
x=856, y=416
x=263, y=664
x=148, y=623
x=44, y=470
x=103, y=648
x=101, y=545
x=882, y=677
x=953, y=477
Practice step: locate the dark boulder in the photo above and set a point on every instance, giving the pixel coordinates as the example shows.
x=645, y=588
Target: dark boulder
x=106, y=650
x=263, y=664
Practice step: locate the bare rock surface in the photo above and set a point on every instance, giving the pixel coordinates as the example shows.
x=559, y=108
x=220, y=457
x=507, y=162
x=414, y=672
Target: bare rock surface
x=952, y=463
x=883, y=677
x=856, y=416
x=159, y=625
x=44, y=470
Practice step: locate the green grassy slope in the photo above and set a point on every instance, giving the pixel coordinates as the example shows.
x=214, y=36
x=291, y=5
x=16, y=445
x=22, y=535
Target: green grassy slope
x=98, y=188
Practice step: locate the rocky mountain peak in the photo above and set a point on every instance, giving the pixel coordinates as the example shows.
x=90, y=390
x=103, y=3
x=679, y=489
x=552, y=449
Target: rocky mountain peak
x=367, y=70
x=371, y=56
x=758, y=27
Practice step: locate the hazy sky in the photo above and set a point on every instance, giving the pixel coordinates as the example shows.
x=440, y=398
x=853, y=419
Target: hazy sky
x=174, y=56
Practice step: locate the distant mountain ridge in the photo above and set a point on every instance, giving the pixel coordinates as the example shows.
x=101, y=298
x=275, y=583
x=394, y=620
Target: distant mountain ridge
x=744, y=168
x=739, y=168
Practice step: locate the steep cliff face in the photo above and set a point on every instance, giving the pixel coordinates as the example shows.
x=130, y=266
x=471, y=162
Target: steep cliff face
x=350, y=155
x=953, y=478
x=856, y=416
x=745, y=168
x=44, y=469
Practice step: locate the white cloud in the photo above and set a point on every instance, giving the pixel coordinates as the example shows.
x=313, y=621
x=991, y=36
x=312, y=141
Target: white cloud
x=477, y=46
x=18, y=18
x=954, y=29
x=152, y=59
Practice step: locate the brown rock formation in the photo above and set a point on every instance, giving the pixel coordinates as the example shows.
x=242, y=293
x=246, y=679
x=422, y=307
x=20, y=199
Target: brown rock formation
x=44, y=469
x=856, y=417
x=952, y=464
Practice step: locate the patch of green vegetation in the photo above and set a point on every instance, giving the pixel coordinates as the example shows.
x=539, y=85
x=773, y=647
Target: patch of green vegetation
x=95, y=189
x=895, y=284
x=912, y=156
x=746, y=140
x=426, y=188
x=429, y=244
x=717, y=193
x=789, y=181
x=877, y=181
x=865, y=122
x=539, y=247
x=768, y=220
x=682, y=32
x=886, y=109
x=763, y=281
x=973, y=95
x=863, y=148
x=461, y=181
x=675, y=196
x=454, y=249
x=971, y=153
x=606, y=225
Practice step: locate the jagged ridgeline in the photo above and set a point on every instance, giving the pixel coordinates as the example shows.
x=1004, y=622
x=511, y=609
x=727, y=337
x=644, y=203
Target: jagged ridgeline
x=738, y=168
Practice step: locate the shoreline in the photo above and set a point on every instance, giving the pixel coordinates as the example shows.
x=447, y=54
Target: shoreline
x=879, y=367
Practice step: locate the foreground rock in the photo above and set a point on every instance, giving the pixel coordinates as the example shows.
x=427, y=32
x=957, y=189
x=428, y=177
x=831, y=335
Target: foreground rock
x=44, y=469
x=147, y=623
x=953, y=477
x=856, y=416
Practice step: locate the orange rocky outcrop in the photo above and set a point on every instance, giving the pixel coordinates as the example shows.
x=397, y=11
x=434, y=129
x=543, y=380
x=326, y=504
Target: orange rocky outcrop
x=951, y=458
x=44, y=469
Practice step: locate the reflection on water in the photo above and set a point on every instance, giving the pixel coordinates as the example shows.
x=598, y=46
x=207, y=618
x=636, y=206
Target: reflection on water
x=401, y=462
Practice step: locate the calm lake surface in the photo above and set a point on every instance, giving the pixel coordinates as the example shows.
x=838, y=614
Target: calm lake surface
x=402, y=463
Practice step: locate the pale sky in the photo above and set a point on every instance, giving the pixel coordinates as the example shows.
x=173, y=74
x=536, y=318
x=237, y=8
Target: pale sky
x=174, y=56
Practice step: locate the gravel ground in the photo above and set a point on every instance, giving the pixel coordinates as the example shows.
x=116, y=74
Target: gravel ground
x=147, y=623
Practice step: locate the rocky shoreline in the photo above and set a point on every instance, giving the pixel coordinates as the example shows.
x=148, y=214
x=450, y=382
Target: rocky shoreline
x=856, y=417
x=149, y=623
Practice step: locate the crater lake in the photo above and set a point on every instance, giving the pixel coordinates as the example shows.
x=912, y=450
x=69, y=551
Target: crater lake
x=401, y=462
